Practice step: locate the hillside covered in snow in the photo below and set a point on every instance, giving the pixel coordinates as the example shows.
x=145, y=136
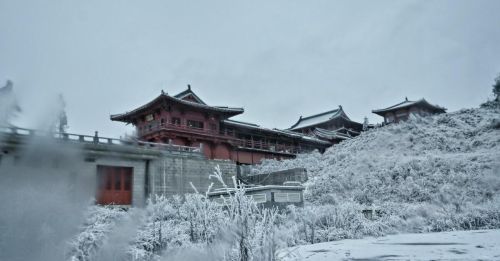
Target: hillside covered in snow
x=428, y=174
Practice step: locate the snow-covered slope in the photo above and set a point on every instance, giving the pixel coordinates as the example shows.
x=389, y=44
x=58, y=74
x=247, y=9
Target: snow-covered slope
x=433, y=173
x=462, y=245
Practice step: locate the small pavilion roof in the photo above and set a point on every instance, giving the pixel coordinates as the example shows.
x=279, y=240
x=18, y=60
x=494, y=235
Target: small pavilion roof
x=406, y=103
x=229, y=111
x=316, y=119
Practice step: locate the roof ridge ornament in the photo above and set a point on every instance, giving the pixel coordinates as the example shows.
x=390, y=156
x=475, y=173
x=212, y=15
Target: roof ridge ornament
x=406, y=98
x=189, y=86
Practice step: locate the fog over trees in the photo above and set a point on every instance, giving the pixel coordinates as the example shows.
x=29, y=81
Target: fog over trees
x=74, y=63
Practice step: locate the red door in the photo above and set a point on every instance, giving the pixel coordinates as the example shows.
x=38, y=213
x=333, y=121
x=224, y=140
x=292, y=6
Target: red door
x=114, y=185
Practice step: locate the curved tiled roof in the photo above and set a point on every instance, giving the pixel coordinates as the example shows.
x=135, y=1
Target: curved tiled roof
x=407, y=103
x=316, y=119
x=320, y=118
x=222, y=109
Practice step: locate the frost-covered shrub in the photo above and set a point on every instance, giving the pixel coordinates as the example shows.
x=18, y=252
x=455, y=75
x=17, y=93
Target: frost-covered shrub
x=235, y=230
x=313, y=160
x=99, y=222
x=313, y=224
x=164, y=226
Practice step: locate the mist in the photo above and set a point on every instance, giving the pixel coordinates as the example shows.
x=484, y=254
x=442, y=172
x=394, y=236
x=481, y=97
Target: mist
x=43, y=194
x=278, y=60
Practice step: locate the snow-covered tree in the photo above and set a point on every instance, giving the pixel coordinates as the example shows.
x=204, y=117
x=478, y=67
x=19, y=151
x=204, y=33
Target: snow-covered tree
x=8, y=104
x=62, y=119
x=496, y=88
x=99, y=222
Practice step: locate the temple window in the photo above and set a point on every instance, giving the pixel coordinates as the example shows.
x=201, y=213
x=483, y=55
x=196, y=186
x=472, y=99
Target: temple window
x=195, y=124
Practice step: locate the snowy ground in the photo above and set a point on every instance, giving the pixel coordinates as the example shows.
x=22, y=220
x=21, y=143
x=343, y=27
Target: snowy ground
x=458, y=245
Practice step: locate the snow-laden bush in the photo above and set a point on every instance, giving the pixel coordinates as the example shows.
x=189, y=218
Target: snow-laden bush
x=99, y=223
x=235, y=230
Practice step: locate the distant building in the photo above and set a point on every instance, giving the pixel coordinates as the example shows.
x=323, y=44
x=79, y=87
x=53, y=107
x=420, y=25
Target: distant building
x=185, y=119
x=403, y=110
x=333, y=126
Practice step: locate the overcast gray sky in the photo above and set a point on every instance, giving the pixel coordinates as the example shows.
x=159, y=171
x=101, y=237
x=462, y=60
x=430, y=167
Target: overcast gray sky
x=277, y=59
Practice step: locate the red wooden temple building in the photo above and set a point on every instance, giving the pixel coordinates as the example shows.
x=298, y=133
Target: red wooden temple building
x=185, y=119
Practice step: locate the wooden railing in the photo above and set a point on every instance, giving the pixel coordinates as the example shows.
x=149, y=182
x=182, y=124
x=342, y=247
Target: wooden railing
x=262, y=145
x=178, y=127
x=245, y=143
x=94, y=139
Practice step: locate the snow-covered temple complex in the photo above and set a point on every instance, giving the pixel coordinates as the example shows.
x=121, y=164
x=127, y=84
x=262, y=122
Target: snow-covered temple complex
x=185, y=119
x=403, y=110
x=180, y=138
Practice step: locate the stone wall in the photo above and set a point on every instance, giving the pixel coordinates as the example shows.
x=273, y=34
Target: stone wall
x=171, y=175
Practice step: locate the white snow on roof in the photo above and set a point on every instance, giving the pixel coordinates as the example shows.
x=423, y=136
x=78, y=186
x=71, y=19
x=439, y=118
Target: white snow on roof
x=408, y=103
x=315, y=119
x=244, y=124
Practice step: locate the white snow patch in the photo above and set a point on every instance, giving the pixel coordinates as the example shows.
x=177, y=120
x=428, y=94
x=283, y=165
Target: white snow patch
x=455, y=245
